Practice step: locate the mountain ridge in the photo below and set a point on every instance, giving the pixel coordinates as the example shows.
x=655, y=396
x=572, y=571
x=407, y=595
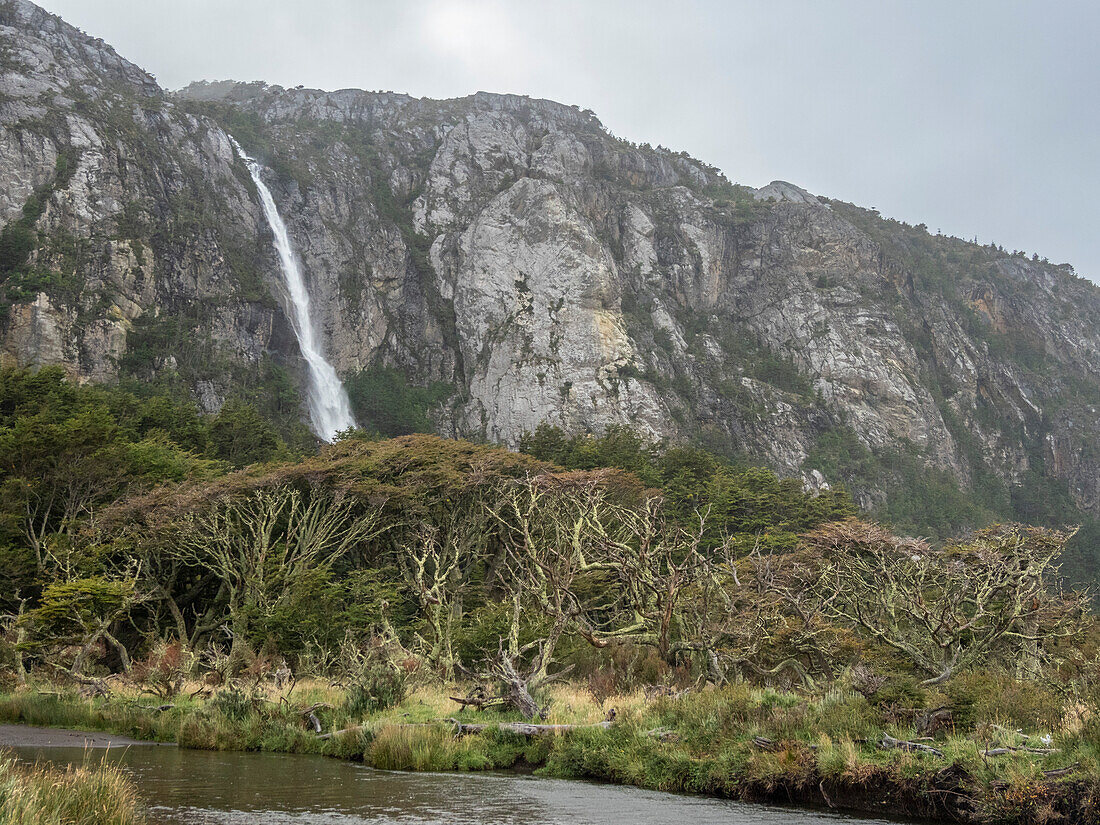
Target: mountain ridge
x=540, y=270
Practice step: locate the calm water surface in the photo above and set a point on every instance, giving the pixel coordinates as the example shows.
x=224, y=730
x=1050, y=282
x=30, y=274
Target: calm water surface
x=185, y=787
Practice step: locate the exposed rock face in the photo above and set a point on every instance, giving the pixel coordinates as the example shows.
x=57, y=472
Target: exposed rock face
x=145, y=210
x=550, y=272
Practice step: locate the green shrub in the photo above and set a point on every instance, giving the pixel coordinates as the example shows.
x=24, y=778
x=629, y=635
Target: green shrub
x=380, y=687
x=850, y=716
x=984, y=697
x=233, y=705
x=711, y=715
x=902, y=691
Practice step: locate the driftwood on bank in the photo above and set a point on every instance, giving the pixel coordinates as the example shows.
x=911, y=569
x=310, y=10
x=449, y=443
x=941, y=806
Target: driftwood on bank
x=479, y=702
x=888, y=742
x=522, y=728
x=1007, y=749
x=1062, y=771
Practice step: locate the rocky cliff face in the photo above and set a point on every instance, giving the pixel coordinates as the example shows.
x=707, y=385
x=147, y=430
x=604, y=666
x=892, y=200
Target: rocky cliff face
x=547, y=271
x=119, y=209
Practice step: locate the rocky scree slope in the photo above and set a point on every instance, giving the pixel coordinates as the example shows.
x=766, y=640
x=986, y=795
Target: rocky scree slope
x=544, y=271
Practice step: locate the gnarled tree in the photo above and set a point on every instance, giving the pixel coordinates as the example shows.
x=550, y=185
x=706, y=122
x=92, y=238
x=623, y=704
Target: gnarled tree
x=259, y=545
x=591, y=566
x=80, y=614
x=434, y=561
x=993, y=596
x=759, y=615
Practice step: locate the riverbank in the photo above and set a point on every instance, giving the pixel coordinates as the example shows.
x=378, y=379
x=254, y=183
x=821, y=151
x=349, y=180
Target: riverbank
x=836, y=750
x=30, y=736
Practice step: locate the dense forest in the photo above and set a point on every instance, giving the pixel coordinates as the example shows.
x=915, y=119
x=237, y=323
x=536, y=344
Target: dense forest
x=127, y=518
x=132, y=520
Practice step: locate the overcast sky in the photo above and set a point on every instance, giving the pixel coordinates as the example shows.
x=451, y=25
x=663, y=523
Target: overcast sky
x=979, y=118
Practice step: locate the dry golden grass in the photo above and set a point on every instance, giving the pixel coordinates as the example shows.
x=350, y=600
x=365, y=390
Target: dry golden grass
x=574, y=704
x=711, y=749
x=567, y=704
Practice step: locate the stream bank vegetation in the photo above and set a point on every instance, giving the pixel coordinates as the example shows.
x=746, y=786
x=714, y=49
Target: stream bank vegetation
x=96, y=793
x=647, y=615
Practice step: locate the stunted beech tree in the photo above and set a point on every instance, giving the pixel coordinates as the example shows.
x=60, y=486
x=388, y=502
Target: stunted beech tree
x=434, y=560
x=993, y=597
x=261, y=545
x=430, y=566
x=759, y=615
x=542, y=521
x=655, y=563
x=593, y=567
x=80, y=614
x=601, y=568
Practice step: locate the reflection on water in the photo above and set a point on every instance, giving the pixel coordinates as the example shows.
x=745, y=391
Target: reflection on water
x=212, y=788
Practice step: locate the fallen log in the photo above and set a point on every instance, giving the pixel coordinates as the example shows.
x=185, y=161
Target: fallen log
x=1007, y=749
x=888, y=742
x=479, y=702
x=1062, y=771
x=462, y=728
x=522, y=728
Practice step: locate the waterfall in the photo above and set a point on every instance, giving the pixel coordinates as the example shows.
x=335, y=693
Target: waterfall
x=329, y=410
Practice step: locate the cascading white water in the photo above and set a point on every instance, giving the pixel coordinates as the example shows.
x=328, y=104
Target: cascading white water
x=329, y=409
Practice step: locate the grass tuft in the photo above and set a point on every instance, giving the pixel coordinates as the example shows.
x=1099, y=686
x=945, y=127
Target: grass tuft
x=87, y=795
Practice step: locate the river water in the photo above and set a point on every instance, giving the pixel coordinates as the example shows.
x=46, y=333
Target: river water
x=188, y=787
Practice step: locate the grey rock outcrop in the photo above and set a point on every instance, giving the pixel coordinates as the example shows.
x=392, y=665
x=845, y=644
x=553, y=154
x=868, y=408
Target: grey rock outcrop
x=145, y=214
